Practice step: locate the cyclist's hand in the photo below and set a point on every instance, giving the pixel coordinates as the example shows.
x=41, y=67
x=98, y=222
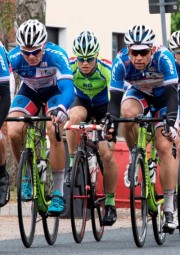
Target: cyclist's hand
x=171, y=136
x=60, y=115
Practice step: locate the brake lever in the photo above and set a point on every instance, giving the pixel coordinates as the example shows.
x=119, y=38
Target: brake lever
x=57, y=132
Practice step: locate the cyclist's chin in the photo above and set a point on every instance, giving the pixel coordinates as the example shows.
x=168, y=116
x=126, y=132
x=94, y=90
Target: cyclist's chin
x=33, y=63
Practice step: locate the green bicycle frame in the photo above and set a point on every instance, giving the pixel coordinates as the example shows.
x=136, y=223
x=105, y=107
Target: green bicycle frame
x=150, y=188
x=38, y=186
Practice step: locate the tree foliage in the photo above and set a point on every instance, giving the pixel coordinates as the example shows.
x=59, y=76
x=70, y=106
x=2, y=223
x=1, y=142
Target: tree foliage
x=175, y=20
x=7, y=17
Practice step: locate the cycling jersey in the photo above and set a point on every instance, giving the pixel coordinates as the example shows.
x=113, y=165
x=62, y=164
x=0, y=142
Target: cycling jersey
x=53, y=69
x=4, y=68
x=4, y=85
x=160, y=72
x=94, y=88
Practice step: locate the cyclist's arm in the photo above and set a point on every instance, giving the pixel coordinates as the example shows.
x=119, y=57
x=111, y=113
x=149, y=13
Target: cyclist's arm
x=115, y=102
x=171, y=94
x=5, y=101
x=66, y=87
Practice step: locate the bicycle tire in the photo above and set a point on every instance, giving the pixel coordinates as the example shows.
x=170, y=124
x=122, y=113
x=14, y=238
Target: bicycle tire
x=138, y=201
x=97, y=210
x=50, y=224
x=26, y=208
x=78, y=197
x=157, y=223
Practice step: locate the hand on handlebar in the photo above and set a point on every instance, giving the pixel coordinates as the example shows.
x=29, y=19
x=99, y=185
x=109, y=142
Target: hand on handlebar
x=60, y=115
x=109, y=130
x=171, y=135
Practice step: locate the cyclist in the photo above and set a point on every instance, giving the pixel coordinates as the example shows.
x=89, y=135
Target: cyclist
x=151, y=71
x=174, y=45
x=91, y=75
x=46, y=78
x=4, y=106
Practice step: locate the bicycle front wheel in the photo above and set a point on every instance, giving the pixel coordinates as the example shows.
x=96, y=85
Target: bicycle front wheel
x=25, y=200
x=79, y=197
x=157, y=223
x=50, y=224
x=97, y=210
x=138, y=201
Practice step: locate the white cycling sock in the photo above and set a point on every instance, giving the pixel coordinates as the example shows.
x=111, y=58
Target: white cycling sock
x=168, y=200
x=58, y=177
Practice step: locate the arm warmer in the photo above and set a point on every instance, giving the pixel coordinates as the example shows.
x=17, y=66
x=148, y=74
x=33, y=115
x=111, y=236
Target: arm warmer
x=171, y=95
x=115, y=102
x=5, y=101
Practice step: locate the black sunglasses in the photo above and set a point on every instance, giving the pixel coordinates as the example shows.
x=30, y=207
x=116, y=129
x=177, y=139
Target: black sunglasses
x=143, y=53
x=33, y=52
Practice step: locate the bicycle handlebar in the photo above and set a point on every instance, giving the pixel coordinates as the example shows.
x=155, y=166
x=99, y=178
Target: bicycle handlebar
x=83, y=126
x=29, y=119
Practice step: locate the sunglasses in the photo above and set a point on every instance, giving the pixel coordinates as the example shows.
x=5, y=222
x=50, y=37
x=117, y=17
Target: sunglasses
x=32, y=52
x=143, y=53
x=89, y=60
x=176, y=52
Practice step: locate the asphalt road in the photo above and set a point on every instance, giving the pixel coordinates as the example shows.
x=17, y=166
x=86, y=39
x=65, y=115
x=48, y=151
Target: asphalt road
x=115, y=241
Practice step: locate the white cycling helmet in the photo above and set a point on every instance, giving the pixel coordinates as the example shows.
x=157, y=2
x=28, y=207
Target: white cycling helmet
x=139, y=37
x=85, y=45
x=174, y=41
x=31, y=33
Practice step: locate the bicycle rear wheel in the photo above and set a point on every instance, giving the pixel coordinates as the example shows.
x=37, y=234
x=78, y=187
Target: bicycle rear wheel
x=157, y=223
x=26, y=207
x=138, y=201
x=79, y=197
x=97, y=210
x=50, y=224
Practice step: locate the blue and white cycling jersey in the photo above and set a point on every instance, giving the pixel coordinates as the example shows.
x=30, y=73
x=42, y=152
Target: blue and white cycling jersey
x=53, y=68
x=4, y=68
x=160, y=72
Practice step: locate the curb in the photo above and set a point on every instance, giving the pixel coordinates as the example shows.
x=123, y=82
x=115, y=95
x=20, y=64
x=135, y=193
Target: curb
x=11, y=210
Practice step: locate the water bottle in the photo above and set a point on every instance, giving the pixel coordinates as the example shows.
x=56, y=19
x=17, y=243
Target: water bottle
x=92, y=161
x=42, y=167
x=152, y=170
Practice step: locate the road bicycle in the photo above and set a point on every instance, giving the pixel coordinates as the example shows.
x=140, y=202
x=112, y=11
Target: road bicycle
x=86, y=191
x=34, y=171
x=145, y=201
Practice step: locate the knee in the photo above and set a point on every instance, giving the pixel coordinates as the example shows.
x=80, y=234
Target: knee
x=13, y=132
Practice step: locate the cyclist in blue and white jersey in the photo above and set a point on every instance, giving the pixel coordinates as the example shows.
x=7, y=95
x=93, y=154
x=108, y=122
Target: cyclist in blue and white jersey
x=4, y=108
x=46, y=78
x=151, y=71
x=91, y=76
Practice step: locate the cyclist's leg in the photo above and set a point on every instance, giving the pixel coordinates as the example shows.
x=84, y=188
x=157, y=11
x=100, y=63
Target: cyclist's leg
x=110, y=181
x=57, y=157
x=110, y=169
x=25, y=102
x=133, y=103
x=168, y=170
x=4, y=176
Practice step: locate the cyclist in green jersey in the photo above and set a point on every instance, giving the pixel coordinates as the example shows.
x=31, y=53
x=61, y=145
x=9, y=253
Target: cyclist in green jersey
x=91, y=76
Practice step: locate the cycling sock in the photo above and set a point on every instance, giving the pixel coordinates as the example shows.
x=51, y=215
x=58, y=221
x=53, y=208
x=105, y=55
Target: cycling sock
x=110, y=199
x=168, y=200
x=71, y=158
x=58, y=178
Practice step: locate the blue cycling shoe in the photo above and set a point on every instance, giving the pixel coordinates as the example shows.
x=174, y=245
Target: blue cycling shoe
x=26, y=192
x=57, y=205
